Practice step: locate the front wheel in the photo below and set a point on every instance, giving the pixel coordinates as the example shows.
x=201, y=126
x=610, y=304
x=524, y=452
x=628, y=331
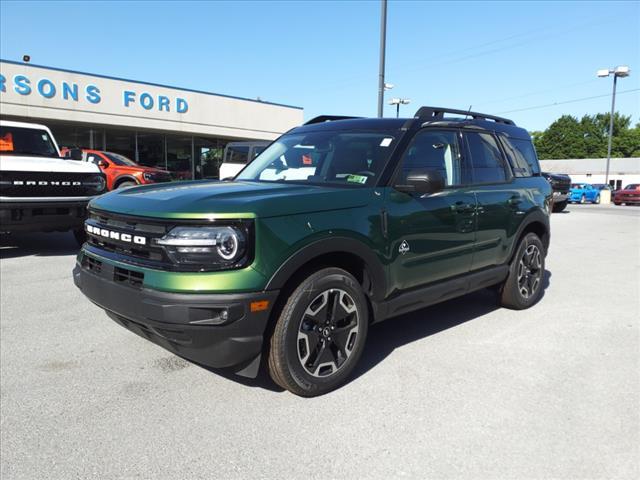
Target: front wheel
x=320, y=334
x=524, y=284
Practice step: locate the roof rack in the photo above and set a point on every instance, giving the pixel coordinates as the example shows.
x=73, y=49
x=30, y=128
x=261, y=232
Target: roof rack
x=437, y=113
x=328, y=118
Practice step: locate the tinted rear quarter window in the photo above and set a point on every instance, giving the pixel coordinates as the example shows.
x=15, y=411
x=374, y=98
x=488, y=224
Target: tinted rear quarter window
x=522, y=156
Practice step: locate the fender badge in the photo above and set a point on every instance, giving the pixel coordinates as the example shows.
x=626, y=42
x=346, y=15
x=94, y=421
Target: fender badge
x=404, y=247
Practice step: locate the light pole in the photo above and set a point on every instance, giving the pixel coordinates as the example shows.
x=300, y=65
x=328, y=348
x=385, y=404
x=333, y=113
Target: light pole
x=397, y=102
x=620, y=71
x=383, y=41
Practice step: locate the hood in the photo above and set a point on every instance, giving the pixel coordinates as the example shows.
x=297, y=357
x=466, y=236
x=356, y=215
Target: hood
x=198, y=199
x=20, y=163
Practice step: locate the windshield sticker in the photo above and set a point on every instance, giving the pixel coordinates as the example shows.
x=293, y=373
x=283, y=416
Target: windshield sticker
x=6, y=142
x=386, y=142
x=357, y=179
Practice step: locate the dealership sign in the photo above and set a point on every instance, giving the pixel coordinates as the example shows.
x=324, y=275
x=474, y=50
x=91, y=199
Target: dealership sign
x=74, y=92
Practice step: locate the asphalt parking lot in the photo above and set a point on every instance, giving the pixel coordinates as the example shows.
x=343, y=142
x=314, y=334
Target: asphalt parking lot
x=459, y=390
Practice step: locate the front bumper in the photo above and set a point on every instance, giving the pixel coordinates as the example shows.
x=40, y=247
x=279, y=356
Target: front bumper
x=185, y=324
x=42, y=216
x=560, y=196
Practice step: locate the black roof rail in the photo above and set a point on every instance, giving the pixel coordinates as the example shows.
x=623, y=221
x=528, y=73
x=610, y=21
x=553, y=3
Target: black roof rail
x=327, y=118
x=437, y=113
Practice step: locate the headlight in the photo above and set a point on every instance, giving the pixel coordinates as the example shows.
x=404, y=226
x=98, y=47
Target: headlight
x=221, y=247
x=97, y=182
x=149, y=177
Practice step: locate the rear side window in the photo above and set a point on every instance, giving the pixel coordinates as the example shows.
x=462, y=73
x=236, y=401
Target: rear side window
x=487, y=163
x=435, y=150
x=522, y=156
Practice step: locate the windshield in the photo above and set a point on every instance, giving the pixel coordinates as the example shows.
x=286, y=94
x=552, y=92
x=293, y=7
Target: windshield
x=354, y=158
x=26, y=141
x=633, y=186
x=579, y=186
x=120, y=160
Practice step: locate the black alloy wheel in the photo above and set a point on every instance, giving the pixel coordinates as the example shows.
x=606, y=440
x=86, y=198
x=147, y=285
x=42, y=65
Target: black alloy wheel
x=529, y=271
x=327, y=333
x=319, y=334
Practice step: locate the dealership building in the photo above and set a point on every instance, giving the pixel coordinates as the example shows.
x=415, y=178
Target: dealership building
x=180, y=130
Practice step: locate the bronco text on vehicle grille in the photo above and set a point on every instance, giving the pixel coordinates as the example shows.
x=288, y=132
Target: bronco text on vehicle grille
x=39, y=190
x=340, y=223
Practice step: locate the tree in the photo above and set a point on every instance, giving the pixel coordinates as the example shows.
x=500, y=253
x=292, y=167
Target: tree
x=569, y=138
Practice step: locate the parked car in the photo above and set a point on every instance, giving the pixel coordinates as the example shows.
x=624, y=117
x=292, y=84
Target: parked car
x=122, y=171
x=583, y=193
x=39, y=190
x=237, y=155
x=338, y=224
x=629, y=195
x=560, y=185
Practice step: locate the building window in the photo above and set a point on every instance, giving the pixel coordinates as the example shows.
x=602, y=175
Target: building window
x=208, y=157
x=122, y=142
x=151, y=150
x=180, y=157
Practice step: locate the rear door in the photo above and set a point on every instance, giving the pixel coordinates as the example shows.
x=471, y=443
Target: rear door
x=499, y=201
x=431, y=236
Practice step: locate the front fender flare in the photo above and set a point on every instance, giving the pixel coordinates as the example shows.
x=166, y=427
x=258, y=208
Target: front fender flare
x=308, y=253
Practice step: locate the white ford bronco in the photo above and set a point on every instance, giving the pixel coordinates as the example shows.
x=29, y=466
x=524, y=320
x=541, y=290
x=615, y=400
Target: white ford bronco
x=39, y=190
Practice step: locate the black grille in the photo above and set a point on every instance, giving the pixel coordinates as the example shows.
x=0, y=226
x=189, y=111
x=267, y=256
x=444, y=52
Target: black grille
x=129, y=228
x=91, y=264
x=48, y=184
x=128, y=277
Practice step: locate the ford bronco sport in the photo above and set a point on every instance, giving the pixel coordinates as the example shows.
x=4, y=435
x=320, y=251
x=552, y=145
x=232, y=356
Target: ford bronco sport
x=339, y=224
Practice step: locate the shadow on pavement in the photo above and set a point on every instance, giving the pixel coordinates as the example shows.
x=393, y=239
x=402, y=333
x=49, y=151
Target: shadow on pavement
x=39, y=244
x=383, y=338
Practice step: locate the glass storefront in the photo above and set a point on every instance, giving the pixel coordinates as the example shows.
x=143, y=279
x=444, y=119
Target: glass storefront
x=186, y=157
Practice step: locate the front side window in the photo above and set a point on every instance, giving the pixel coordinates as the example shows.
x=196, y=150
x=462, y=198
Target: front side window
x=486, y=159
x=343, y=157
x=26, y=141
x=435, y=151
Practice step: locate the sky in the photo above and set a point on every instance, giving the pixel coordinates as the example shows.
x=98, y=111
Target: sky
x=528, y=61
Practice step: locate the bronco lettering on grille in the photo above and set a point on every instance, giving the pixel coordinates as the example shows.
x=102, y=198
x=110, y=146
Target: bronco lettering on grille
x=110, y=234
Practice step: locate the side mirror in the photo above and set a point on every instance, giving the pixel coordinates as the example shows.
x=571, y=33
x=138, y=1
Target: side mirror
x=422, y=181
x=103, y=164
x=74, y=154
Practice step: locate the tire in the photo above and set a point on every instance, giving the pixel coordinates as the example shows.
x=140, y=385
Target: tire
x=583, y=199
x=560, y=206
x=310, y=353
x=597, y=200
x=80, y=235
x=126, y=184
x=617, y=203
x=528, y=261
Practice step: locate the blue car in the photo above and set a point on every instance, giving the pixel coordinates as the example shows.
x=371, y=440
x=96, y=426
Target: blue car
x=583, y=193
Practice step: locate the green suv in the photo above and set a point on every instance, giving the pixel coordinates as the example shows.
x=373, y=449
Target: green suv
x=338, y=224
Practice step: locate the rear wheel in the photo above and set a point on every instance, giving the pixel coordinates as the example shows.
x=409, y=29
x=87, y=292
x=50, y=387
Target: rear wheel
x=523, y=286
x=320, y=334
x=583, y=199
x=560, y=206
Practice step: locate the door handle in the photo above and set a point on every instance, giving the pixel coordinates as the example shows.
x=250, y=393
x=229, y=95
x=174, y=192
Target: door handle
x=515, y=200
x=462, y=207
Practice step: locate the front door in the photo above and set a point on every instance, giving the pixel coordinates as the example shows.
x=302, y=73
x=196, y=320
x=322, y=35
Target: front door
x=431, y=237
